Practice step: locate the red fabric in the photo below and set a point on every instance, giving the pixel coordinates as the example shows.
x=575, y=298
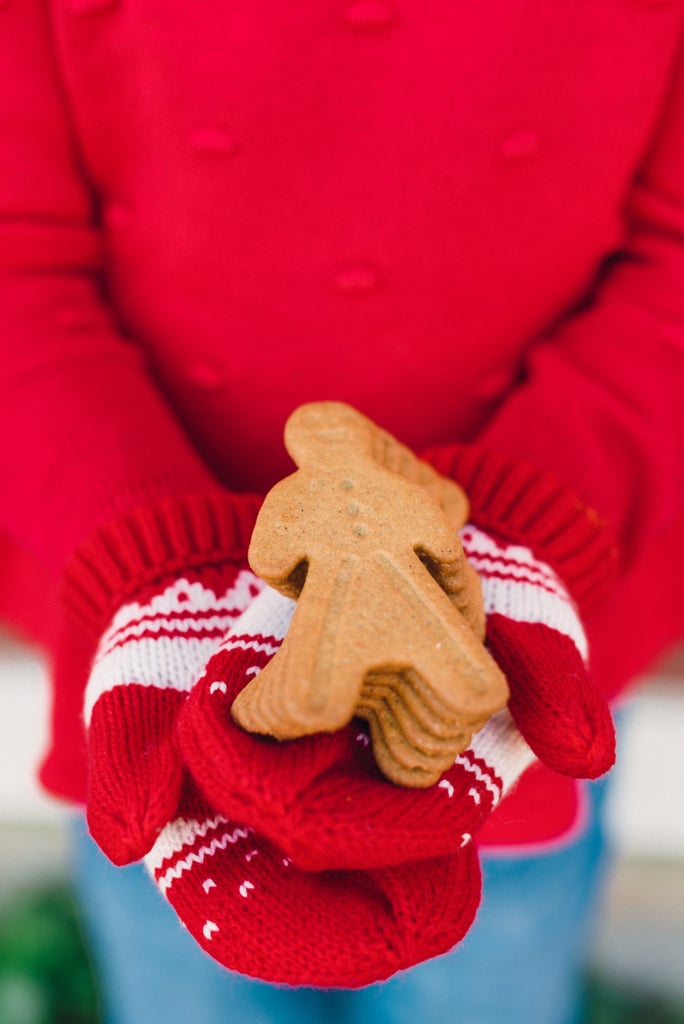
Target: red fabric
x=555, y=704
x=144, y=666
x=321, y=798
x=465, y=222
x=514, y=501
x=542, y=808
x=231, y=888
x=128, y=556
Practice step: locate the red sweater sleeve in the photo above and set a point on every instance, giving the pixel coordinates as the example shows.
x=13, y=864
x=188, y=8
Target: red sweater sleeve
x=86, y=435
x=601, y=402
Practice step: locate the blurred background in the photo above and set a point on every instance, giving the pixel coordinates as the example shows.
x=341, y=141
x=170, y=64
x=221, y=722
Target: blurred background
x=637, y=964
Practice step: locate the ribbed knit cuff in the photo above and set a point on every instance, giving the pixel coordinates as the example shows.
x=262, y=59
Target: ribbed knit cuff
x=523, y=504
x=153, y=544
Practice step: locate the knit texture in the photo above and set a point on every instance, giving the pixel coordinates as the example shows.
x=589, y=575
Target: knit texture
x=537, y=638
x=145, y=664
x=322, y=799
x=517, y=501
x=426, y=217
x=155, y=592
x=255, y=912
x=154, y=543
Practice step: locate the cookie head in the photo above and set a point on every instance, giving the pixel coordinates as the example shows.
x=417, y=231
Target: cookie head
x=316, y=431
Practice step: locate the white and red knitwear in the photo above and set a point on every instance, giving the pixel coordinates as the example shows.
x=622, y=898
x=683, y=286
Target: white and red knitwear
x=238, y=893
x=322, y=799
x=254, y=911
x=465, y=222
x=146, y=662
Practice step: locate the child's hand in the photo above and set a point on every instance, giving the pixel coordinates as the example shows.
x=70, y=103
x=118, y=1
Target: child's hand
x=236, y=892
x=255, y=912
x=536, y=636
x=145, y=665
x=322, y=799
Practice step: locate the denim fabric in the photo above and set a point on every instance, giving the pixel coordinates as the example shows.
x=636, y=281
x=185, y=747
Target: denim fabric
x=521, y=963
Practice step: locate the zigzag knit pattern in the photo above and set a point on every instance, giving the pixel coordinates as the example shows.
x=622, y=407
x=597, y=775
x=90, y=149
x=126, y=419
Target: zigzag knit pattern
x=145, y=664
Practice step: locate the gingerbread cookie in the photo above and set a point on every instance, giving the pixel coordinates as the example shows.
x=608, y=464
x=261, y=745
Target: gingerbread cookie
x=389, y=620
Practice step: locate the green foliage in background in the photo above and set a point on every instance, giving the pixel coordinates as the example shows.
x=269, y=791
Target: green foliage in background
x=609, y=1003
x=45, y=976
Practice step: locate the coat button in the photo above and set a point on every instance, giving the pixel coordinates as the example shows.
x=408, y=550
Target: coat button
x=117, y=214
x=206, y=375
x=213, y=140
x=358, y=278
x=522, y=145
x=370, y=13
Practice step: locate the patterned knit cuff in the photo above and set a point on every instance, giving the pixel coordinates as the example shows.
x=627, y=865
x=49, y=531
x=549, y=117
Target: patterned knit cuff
x=528, y=506
x=151, y=545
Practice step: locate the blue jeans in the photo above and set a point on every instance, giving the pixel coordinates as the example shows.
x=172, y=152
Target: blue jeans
x=521, y=963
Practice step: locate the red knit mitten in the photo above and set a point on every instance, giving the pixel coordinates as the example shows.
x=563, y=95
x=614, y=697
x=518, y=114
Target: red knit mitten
x=321, y=797
x=168, y=622
x=253, y=911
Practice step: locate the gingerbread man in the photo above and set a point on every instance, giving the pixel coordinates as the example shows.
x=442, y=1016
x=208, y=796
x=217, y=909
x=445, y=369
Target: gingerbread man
x=387, y=617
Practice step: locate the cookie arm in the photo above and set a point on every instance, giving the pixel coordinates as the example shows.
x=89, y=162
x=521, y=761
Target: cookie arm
x=392, y=455
x=279, y=545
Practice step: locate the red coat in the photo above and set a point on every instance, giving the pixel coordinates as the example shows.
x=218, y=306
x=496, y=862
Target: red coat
x=468, y=222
